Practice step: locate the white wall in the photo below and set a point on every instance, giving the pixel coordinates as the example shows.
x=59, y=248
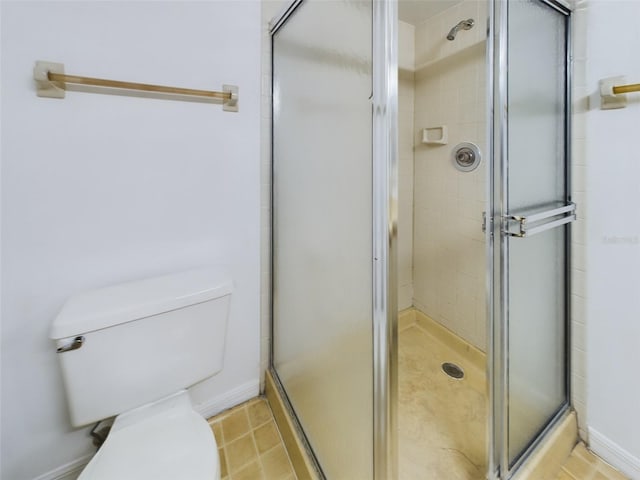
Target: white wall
x=99, y=189
x=613, y=238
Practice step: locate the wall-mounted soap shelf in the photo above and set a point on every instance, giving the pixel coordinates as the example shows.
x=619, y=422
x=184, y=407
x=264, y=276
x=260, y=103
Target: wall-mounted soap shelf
x=435, y=135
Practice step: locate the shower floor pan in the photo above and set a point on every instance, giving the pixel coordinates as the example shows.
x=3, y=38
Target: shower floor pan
x=442, y=420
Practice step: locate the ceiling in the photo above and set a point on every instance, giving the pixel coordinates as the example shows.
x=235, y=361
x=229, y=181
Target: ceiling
x=417, y=11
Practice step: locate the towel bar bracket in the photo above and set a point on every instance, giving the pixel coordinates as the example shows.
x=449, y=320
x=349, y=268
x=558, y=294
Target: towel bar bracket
x=46, y=87
x=609, y=99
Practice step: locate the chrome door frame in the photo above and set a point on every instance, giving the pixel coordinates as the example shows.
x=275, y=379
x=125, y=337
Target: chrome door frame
x=384, y=236
x=385, y=233
x=497, y=248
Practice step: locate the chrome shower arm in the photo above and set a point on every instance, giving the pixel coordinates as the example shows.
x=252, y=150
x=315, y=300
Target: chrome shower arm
x=462, y=25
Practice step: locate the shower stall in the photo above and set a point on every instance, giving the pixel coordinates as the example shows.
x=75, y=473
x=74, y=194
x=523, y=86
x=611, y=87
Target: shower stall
x=420, y=232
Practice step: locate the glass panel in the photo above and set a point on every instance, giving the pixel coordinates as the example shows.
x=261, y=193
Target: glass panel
x=536, y=335
x=536, y=98
x=536, y=180
x=323, y=347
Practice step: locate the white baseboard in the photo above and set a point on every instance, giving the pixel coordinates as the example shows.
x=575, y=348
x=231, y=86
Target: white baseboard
x=614, y=454
x=229, y=399
x=68, y=471
x=242, y=393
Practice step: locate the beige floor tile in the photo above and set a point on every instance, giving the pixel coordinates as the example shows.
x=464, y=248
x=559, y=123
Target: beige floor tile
x=266, y=436
x=217, y=432
x=252, y=471
x=583, y=464
x=240, y=452
x=259, y=413
x=276, y=464
x=609, y=472
x=578, y=467
x=581, y=451
x=240, y=457
x=235, y=425
x=564, y=476
x=223, y=463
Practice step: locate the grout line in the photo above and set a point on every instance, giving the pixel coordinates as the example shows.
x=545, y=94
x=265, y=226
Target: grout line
x=218, y=419
x=255, y=446
x=293, y=470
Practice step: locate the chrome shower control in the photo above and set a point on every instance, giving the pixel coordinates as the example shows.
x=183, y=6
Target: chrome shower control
x=466, y=156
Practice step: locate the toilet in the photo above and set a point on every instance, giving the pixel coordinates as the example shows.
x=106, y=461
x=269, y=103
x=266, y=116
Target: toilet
x=130, y=351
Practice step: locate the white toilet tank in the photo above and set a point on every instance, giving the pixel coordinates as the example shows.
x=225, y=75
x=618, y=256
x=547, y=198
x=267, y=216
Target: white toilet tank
x=123, y=346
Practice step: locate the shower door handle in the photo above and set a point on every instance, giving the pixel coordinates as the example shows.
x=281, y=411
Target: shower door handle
x=527, y=225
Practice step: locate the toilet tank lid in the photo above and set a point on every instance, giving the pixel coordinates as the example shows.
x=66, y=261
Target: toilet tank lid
x=105, y=307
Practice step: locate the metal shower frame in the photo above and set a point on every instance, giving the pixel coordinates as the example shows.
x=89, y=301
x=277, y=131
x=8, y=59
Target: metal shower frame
x=384, y=237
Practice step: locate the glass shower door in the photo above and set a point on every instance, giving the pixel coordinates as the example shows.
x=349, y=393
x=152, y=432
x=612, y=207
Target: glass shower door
x=532, y=213
x=323, y=229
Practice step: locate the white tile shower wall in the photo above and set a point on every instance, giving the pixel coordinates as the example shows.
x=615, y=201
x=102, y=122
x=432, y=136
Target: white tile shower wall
x=579, y=239
x=448, y=246
x=431, y=35
x=406, y=46
x=269, y=9
x=406, y=35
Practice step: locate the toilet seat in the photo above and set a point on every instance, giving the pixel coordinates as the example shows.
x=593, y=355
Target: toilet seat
x=164, y=440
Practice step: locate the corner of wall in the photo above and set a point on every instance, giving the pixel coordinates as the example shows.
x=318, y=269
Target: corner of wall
x=269, y=9
x=580, y=107
x=406, y=100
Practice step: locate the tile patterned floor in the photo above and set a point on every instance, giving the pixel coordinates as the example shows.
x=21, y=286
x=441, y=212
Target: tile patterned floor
x=250, y=445
x=584, y=465
x=433, y=443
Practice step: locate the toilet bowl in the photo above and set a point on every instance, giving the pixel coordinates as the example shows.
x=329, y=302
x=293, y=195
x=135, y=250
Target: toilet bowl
x=130, y=351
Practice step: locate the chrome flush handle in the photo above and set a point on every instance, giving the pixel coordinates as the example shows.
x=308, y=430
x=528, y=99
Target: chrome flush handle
x=76, y=344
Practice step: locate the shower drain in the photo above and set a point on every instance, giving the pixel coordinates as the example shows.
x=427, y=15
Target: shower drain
x=452, y=370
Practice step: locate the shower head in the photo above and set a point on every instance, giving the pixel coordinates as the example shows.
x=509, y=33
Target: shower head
x=463, y=25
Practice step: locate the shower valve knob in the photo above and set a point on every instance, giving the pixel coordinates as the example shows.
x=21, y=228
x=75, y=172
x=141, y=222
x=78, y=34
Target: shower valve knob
x=466, y=156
